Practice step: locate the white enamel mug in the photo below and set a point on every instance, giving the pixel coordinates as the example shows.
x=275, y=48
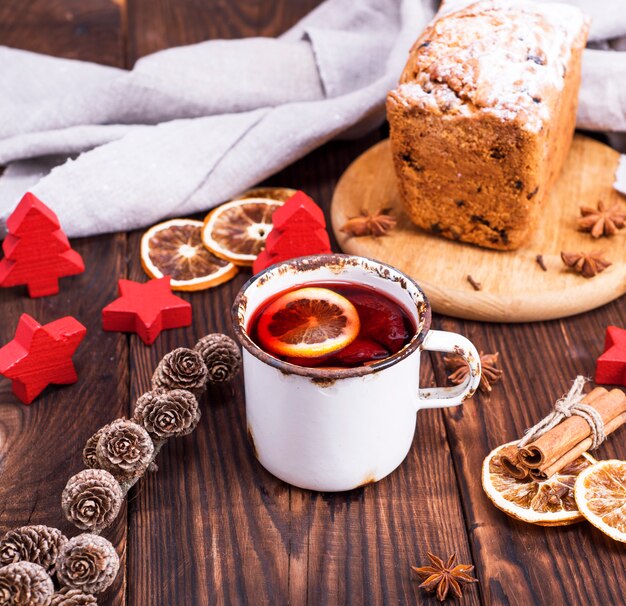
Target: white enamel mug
x=337, y=429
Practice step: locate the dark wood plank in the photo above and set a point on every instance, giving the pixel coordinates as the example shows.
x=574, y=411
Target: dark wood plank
x=41, y=445
x=217, y=528
x=208, y=528
x=360, y=545
x=213, y=527
x=519, y=563
x=74, y=29
x=157, y=24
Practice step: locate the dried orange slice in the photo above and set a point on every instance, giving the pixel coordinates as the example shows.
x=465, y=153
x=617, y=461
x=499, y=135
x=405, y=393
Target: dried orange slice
x=308, y=322
x=280, y=194
x=600, y=493
x=175, y=249
x=236, y=231
x=547, y=503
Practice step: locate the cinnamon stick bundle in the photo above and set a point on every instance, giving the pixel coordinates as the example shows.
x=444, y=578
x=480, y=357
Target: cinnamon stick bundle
x=549, y=453
x=543, y=473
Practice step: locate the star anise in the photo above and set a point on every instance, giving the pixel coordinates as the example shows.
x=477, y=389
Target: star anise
x=603, y=220
x=586, y=264
x=460, y=370
x=444, y=578
x=370, y=224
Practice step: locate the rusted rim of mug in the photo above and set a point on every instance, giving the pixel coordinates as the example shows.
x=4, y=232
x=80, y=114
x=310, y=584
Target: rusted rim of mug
x=338, y=261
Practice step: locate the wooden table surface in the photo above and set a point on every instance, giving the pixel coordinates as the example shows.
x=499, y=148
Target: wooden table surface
x=212, y=527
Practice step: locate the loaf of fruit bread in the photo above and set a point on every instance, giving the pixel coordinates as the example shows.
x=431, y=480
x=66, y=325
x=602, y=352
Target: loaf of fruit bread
x=483, y=117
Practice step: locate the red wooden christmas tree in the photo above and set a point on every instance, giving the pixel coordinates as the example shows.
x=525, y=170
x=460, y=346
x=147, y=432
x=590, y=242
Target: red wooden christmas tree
x=299, y=229
x=37, y=251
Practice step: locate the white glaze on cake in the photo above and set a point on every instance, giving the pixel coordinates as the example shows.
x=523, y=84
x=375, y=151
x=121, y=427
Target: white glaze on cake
x=496, y=56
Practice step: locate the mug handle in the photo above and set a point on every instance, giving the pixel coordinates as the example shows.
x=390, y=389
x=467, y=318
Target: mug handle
x=450, y=342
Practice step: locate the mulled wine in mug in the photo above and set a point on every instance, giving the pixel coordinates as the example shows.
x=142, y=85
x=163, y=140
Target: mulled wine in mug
x=331, y=361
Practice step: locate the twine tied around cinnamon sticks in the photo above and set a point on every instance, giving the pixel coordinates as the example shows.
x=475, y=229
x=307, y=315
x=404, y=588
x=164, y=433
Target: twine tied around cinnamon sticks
x=577, y=424
x=568, y=405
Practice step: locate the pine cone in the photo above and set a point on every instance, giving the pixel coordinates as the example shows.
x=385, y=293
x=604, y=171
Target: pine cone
x=36, y=544
x=87, y=562
x=181, y=368
x=89, y=452
x=167, y=414
x=124, y=449
x=92, y=499
x=25, y=584
x=221, y=356
x=73, y=597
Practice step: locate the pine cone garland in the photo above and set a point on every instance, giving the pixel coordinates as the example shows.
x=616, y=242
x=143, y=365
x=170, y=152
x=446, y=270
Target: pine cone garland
x=25, y=584
x=73, y=597
x=181, y=368
x=90, y=457
x=221, y=356
x=36, y=544
x=92, y=499
x=124, y=449
x=167, y=414
x=87, y=562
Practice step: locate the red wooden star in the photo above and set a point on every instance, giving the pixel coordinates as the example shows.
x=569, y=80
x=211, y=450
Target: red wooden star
x=611, y=365
x=146, y=309
x=40, y=355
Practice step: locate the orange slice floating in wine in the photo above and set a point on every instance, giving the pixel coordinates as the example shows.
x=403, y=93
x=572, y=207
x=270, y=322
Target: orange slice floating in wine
x=308, y=322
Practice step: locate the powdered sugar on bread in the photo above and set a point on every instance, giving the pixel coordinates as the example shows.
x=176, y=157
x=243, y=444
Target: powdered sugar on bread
x=505, y=58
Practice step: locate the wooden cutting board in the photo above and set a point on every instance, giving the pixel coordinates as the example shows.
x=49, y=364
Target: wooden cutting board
x=514, y=287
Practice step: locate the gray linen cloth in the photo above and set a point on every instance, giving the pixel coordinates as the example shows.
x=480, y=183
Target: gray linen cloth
x=189, y=127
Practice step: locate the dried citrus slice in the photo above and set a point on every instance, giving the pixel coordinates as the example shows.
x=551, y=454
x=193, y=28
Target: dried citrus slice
x=175, y=249
x=308, y=322
x=600, y=493
x=547, y=503
x=280, y=194
x=236, y=231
